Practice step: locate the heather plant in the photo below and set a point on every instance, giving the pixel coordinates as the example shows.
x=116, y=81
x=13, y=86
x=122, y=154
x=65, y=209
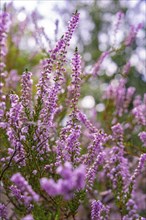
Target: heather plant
x=56, y=161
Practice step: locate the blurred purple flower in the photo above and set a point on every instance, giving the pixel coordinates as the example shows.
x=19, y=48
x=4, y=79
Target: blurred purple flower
x=132, y=34
x=142, y=136
x=71, y=181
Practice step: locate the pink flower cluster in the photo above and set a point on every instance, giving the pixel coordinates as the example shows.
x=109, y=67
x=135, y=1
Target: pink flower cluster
x=55, y=160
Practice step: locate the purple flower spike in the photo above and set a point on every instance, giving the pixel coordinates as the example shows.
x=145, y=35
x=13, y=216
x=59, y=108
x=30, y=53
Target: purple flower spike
x=91, y=173
x=140, y=166
x=120, y=16
x=26, y=89
x=132, y=34
x=76, y=69
x=22, y=190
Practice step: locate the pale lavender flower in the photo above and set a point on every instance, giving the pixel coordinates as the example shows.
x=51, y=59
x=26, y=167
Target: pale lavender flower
x=132, y=34
x=97, y=66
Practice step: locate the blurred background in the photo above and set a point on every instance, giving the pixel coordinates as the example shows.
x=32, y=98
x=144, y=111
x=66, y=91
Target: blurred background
x=36, y=25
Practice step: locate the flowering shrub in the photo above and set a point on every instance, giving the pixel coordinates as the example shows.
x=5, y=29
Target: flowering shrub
x=56, y=163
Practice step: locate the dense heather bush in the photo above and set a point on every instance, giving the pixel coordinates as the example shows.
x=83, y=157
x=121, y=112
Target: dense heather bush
x=56, y=163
